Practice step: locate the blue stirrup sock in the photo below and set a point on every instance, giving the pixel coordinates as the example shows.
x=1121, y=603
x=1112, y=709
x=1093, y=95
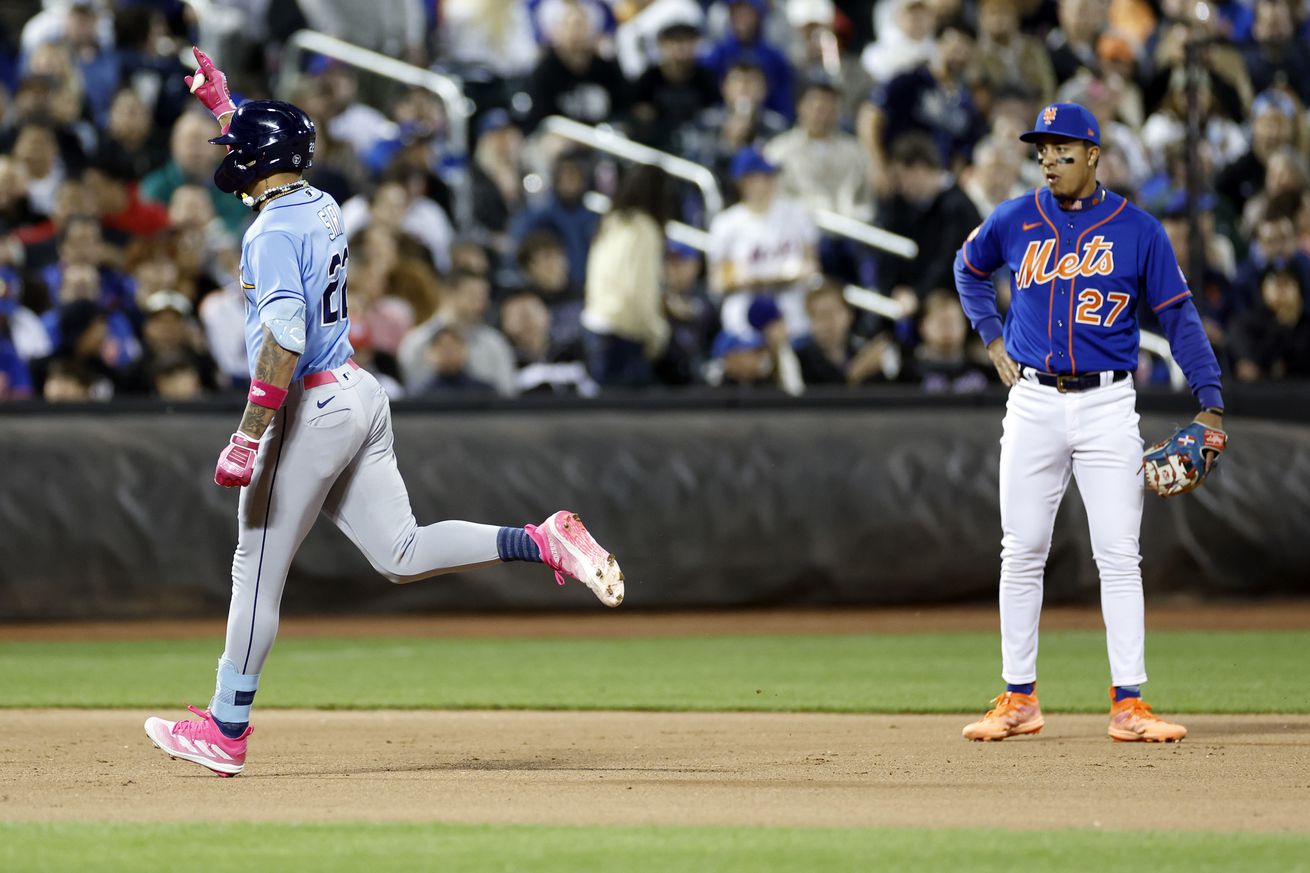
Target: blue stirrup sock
x=1021, y=688
x=233, y=697
x=514, y=544
x=1123, y=692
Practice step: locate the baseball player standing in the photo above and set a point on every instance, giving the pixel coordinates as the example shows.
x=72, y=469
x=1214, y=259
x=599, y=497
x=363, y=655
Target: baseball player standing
x=316, y=434
x=1082, y=257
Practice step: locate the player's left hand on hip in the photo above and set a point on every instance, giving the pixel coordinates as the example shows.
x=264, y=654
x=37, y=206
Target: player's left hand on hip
x=1005, y=366
x=209, y=84
x=236, y=463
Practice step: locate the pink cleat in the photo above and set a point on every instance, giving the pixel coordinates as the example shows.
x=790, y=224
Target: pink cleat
x=568, y=549
x=200, y=742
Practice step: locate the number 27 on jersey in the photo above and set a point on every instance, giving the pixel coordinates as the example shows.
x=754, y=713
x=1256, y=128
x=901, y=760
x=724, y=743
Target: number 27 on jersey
x=1090, y=303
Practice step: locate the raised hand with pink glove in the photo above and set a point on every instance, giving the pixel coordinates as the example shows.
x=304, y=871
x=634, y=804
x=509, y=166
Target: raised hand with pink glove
x=209, y=84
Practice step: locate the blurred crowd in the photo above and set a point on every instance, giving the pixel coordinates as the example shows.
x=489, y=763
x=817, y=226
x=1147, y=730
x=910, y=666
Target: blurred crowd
x=534, y=265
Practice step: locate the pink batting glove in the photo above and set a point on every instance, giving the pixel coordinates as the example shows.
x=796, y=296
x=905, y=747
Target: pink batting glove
x=209, y=84
x=236, y=462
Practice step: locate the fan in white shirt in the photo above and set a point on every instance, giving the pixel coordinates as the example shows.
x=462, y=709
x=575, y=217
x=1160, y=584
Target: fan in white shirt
x=765, y=245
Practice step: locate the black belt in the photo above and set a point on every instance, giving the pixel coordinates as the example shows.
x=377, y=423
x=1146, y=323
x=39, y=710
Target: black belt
x=1064, y=382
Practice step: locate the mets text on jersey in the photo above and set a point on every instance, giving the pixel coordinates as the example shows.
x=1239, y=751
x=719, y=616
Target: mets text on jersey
x=1036, y=267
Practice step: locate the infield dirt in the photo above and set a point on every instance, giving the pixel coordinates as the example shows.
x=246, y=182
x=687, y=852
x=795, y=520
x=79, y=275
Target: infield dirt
x=1233, y=773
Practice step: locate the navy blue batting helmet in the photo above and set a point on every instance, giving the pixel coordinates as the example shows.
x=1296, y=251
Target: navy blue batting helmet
x=265, y=137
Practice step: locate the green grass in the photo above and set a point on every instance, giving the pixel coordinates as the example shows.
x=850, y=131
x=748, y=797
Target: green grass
x=1195, y=672
x=455, y=848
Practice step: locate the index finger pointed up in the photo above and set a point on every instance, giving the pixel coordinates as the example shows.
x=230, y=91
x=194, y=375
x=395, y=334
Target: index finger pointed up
x=202, y=59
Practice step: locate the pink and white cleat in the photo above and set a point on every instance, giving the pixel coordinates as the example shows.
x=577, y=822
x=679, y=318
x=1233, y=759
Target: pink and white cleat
x=568, y=548
x=200, y=742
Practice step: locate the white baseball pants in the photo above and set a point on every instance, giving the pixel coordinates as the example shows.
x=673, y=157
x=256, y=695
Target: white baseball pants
x=1047, y=435
x=330, y=448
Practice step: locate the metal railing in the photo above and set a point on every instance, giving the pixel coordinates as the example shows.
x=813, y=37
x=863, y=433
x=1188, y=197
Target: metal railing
x=862, y=232
x=449, y=90
x=872, y=301
x=694, y=237
x=1154, y=344
x=687, y=235
x=611, y=142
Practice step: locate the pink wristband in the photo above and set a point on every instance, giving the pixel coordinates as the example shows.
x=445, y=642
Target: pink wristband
x=266, y=395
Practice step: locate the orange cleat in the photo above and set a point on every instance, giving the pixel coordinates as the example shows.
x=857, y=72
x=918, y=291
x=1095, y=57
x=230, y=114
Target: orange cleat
x=1131, y=721
x=1012, y=714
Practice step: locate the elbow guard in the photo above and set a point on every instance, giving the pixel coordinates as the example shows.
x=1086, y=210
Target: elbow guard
x=285, y=319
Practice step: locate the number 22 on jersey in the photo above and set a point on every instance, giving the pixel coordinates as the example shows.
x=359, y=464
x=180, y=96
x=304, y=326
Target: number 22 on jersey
x=334, y=296
x=1090, y=302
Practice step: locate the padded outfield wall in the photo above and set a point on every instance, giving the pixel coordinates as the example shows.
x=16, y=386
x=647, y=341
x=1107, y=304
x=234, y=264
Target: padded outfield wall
x=709, y=502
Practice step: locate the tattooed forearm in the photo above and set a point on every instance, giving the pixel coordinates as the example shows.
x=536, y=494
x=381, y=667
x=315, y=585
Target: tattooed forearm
x=256, y=420
x=275, y=366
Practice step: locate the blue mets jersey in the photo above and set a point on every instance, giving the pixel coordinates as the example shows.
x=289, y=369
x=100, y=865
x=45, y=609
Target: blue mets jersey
x=1078, y=278
x=296, y=250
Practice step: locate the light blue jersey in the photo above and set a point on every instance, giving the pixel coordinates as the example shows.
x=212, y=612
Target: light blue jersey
x=296, y=251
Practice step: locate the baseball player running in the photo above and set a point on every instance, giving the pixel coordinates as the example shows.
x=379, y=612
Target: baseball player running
x=1082, y=257
x=316, y=434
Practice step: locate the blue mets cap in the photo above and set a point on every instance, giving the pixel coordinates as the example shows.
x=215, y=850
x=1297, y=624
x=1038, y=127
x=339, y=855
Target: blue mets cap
x=726, y=343
x=763, y=312
x=1065, y=119
x=748, y=160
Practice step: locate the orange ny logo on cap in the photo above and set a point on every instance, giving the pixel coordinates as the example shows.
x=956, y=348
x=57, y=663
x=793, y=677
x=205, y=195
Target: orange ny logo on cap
x=1049, y=116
